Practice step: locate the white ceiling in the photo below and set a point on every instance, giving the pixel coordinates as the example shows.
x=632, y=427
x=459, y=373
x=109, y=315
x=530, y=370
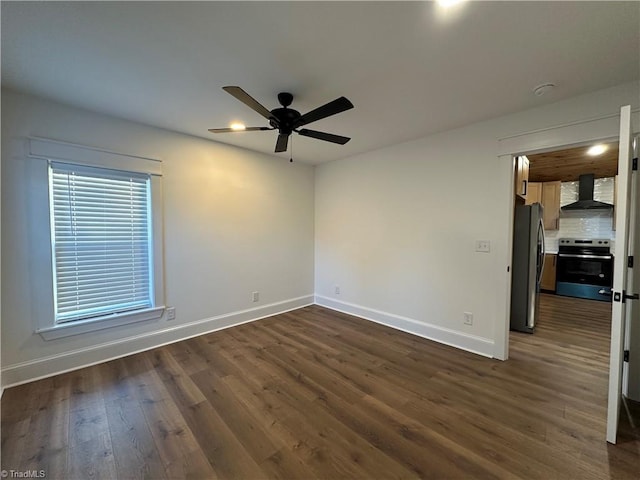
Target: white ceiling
x=409, y=68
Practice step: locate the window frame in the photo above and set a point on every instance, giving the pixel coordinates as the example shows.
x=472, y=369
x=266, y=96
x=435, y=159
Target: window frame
x=53, y=151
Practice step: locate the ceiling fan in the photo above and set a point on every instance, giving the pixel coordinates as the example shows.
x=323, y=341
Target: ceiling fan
x=287, y=120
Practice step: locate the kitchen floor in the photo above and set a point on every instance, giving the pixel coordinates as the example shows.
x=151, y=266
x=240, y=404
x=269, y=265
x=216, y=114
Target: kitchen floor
x=580, y=322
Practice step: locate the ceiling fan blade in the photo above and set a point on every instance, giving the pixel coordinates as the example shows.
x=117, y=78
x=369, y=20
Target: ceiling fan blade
x=327, y=137
x=338, y=105
x=281, y=144
x=249, y=101
x=229, y=130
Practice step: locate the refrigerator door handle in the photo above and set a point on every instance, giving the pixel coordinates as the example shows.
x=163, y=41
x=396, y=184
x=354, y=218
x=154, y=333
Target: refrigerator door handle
x=543, y=252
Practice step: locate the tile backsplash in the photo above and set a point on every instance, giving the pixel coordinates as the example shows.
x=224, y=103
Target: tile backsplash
x=583, y=223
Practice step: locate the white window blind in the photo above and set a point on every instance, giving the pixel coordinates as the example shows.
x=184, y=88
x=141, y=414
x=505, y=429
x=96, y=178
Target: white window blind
x=101, y=241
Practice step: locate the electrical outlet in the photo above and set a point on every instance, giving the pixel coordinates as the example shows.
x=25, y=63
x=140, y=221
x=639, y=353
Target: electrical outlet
x=171, y=313
x=483, y=246
x=337, y=290
x=468, y=318
x=256, y=296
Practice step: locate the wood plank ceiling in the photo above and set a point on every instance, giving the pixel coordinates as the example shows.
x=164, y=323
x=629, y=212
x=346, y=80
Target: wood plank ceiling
x=567, y=165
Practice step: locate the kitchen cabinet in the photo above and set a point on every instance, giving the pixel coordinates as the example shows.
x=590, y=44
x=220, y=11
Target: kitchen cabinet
x=550, y=200
x=534, y=193
x=548, y=280
x=548, y=194
x=522, y=177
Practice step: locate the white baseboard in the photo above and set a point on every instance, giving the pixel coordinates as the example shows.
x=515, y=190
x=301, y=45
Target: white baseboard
x=32, y=370
x=471, y=343
x=29, y=371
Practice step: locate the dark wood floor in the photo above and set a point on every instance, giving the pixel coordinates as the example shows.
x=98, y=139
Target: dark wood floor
x=319, y=394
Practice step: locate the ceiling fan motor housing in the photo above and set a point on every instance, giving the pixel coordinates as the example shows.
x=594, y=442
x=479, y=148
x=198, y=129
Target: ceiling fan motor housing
x=286, y=117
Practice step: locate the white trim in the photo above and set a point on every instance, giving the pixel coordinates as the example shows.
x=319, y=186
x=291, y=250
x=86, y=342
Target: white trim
x=47, y=149
x=471, y=343
x=568, y=124
x=43, y=288
x=32, y=370
x=589, y=130
x=503, y=284
x=108, y=321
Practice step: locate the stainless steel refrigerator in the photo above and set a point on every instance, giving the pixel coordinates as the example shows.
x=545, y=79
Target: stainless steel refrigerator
x=526, y=266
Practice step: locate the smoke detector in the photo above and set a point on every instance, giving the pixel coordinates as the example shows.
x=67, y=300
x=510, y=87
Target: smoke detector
x=540, y=90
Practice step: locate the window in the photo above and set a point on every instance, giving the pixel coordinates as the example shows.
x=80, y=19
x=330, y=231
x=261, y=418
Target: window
x=102, y=211
x=102, y=242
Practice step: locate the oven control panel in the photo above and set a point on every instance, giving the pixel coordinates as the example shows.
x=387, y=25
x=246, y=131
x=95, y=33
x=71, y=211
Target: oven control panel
x=585, y=242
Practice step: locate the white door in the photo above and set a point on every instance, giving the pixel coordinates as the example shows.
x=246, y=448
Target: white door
x=624, y=225
x=631, y=369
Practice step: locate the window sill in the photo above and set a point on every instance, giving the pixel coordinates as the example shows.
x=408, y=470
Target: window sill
x=101, y=323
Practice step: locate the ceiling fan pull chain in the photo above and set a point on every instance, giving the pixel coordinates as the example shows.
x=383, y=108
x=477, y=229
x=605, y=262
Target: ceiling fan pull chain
x=291, y=152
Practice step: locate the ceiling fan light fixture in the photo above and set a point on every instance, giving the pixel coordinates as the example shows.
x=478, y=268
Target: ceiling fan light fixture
x=237, y=126
x=596, y=150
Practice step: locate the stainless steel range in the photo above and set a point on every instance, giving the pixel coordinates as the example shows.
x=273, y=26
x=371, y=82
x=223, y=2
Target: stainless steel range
x=585, y=268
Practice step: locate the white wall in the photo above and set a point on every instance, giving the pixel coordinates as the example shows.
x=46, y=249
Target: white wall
x=235, y=222
x=396, y=228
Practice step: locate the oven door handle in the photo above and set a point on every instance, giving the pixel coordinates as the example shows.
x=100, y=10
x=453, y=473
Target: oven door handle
x=575, y=255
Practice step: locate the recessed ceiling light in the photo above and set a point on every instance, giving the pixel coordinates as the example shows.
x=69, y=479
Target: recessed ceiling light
x=237, y=126
x=597, y=150
x=542, y=89
x=449, y=3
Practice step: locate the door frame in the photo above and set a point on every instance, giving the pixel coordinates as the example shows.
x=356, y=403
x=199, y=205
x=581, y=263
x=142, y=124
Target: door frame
x=575, y=134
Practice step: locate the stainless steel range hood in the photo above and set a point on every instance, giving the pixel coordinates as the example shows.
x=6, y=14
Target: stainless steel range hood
x=585, y=196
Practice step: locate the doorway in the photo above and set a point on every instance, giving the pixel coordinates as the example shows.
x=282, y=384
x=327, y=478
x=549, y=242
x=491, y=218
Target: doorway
x=577, y=134
x=624, y=275
x=571, y=336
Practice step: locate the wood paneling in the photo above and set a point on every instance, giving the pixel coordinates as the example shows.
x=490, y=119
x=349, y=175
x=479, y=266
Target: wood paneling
x=320, y=394
x=567, y=165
